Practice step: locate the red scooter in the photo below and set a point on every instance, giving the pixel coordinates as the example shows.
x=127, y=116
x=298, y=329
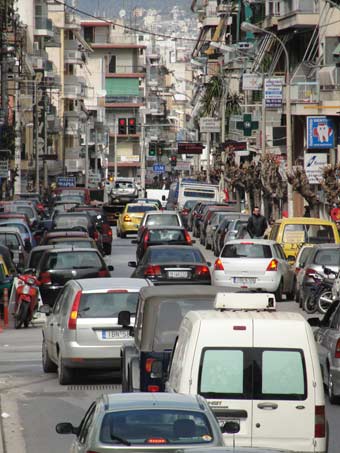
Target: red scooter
x=26, y=300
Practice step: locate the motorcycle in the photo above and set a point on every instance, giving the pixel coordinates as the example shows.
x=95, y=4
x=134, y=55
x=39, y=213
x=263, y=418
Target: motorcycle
x=26, y=300
x=321, y=297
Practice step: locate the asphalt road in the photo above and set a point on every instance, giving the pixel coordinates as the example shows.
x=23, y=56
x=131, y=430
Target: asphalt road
x=31, y=402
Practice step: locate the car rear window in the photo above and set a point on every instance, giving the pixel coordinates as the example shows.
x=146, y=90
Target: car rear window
x=25, y=210
x=185, y=255
x=35, y=258
x=142, y=208
x=152, y=426
x=312, y=234
x=9, y=240
x=162, y=220
x=166, y=235
x=70, y=221
x=246, y=250
x=71, y=243
x=19, y=226
x=107, y=305
x=328, y=257
x=73, y=260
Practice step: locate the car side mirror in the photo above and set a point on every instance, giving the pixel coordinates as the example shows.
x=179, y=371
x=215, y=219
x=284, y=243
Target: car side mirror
x=132, y=264
x=231, y=427
x=124, y=318
x=314, y=322
x=110, y=268
x=66, y=428
x=45, y=309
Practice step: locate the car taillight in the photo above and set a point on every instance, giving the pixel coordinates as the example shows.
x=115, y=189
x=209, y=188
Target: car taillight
x=218, y=266
x=273, y=265
x=152, y=271
x=109, y=232
x=187, y=237
x=297, y=270
x=185, y=211
x=146, y=239
x=104, y=273
x=202, y=270
x=156, y=440
x=337, y=349
x=96, y=235
x=148, y=364
x=153, y=388
x=127, y=218
x=320, y=422
x=45, y=278
x=72, y=320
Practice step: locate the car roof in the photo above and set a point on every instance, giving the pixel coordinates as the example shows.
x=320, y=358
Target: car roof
x=253, y=241
x=39, y=248
x=60, y=234
x=165, y=227
x=74, y=249
x=174, y=291
x=73, y=214
x=162, y=212
x=326, y=246
x=174, y=247
x=98, y=284
x=305, y=220
x=133, y=401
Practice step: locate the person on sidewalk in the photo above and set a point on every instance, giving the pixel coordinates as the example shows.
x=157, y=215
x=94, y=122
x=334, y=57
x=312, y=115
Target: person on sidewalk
x=257, y=224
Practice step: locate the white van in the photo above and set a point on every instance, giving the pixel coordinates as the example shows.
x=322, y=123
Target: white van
x=255, y=366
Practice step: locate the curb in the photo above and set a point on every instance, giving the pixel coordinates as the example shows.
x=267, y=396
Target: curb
x=2, y=437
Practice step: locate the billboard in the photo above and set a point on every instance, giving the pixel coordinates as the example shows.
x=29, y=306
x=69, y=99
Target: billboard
x=273, y=92
x=314, y=166
x=320, y=132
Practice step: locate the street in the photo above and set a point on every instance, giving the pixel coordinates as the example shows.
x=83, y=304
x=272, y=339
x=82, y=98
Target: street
x=32, y=402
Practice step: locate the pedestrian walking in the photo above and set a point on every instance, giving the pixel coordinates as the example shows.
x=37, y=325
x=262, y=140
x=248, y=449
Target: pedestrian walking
x=257, y=224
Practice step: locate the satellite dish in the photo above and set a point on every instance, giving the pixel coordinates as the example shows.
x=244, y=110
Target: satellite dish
x=122, y=13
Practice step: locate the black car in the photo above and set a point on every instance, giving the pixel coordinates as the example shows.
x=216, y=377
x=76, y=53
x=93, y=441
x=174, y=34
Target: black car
x=58, y=266
x=185, y=211
x=173, y=265
x=78, y=221
x=161, y=236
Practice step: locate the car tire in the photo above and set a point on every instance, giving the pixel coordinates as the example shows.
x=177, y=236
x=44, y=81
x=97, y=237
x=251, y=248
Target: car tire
x=279, y=292
x=309, y=305
x=47, y=364
x=21, y=316
x=333, y=399
x=122, y=235
x=65, y=374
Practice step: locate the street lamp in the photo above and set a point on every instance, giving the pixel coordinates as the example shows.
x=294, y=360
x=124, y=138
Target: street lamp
x=246, y=26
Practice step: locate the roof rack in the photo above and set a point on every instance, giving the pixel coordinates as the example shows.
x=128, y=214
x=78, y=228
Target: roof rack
x=245, y=301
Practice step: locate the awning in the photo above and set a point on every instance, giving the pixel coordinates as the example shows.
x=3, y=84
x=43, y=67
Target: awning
x=82, y=41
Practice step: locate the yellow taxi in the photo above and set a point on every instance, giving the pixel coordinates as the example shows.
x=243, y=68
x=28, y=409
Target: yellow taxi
x=294, y=232
x=129, y=220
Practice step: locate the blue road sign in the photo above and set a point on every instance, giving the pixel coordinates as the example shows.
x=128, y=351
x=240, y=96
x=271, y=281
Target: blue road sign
x=66, y=181
x=158, y=168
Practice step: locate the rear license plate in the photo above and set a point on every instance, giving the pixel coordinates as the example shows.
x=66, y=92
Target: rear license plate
x=178, y=274
x=109, y=334
x=244, y=280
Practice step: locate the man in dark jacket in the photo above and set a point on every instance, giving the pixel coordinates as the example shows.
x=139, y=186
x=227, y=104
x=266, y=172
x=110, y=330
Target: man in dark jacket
x=257, y=224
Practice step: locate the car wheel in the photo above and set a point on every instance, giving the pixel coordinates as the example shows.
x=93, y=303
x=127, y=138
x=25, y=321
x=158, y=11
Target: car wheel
x=309, y=305
x=65, y=374
x=333, y=399
x=47, y=364
x=122, y=235
x=278, y=293
x=21, y=316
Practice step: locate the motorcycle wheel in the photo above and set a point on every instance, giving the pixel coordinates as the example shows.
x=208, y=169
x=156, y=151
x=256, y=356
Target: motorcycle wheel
x=309, y=305
x=323, y=305
x=21, y=316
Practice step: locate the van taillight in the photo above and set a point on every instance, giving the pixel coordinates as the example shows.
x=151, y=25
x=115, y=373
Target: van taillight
x=148, y=364
x=72, y=320
x=320, y=422
x=45, y=278
x=337, y=349
x=152, y=271
x=273, y=265
x=187, y=237
x=218, y=266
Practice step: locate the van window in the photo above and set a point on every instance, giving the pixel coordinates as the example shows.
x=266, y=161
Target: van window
x=327, y=257
x=246, y=250
x=312, y=234
x=274, y=231
x=199, y=193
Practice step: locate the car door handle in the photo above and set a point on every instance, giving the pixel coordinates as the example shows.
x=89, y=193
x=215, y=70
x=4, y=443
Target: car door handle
x=267, y=406
x=51, y=324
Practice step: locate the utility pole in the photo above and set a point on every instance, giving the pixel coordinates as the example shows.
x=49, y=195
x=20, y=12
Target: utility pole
x=208, y=156
x=45, y=168
x=95, y=151
x=116, y=147
x=142, y=154
x=17, y=152
x=36, y=137
x=87, y=152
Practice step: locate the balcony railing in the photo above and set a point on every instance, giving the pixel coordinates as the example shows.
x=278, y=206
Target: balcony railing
x=304, y=92
x=43, y=23
x=124, y=99
x=129, y=69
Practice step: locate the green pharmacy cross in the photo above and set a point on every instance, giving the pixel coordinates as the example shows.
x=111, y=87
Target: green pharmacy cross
x=247, y=125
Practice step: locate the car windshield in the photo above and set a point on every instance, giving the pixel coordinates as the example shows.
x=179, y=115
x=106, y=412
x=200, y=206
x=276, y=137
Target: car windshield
x=107, y=305
x=9, y=240
x=189, y=204
x=166, y=235
x=70, y=199
x=152, y=426
x=70, y=221
x=312, y=234
x=25, y=210
x=124, y=185
x=246, y=250
x=73, y=260
x=19, y=226
x=141, y=208
x=176, y=255
x=162, y=220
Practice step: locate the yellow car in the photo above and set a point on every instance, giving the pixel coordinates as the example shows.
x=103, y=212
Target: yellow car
x=129, y=220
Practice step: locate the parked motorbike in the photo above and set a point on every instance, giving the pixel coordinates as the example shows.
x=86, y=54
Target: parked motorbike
x=26, y=300
x=321, y=297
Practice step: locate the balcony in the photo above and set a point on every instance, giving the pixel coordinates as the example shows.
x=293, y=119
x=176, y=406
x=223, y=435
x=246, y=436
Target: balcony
x=155, y=108
x=43, y=26
x=72, y=21
x=305, y=14
x=72, y=126
x=73, y=57
x=124, y=101
x=304, y=92
x=75, y=152
x=75, y=87
x=126, y=71
x=118, y=41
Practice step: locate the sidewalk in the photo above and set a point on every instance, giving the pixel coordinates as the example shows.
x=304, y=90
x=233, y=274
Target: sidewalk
x=2, y=446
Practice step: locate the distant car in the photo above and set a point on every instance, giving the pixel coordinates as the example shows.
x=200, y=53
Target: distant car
x=173, y=265
x=212, y=225
x=25, y=232
x=124, y=190
x=58, y=266
x=299, y=269
x=159, y=218
x=24, y=207
x=11, y=238
x=185, y=211
x=150, y=201
x=73, y=242
x=145, y=422
x=129, y=220
x=35, y=255
x=82, y=329
x=77, y=221
x=255, y=264
x=50, y=235
x=161, y=236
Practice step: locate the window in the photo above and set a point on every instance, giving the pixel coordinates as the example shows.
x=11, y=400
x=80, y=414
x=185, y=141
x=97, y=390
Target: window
x=279, y=252
x=166, y=255
x=199, y=193
x=274, y=232
x=71, y=260
x=112, y=64
x=246, y=250
x=86, y=423
x=312, y=234
x=166, y=235
x=89, y=33
x=162, y=220
x=107, y=305
x=10, y=241
x=68, y=221
x=327, y=257
x=141, y=208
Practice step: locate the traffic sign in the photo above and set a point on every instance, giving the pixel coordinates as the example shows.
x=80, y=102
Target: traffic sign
x=4, y=168
x=158, y=168
x=189, y=148
x=66, y=181
x=209, y=124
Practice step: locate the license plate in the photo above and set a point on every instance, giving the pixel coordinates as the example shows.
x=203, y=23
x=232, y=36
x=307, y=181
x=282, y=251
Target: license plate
x=116, y=334
x=244, y=280
x=178, y=274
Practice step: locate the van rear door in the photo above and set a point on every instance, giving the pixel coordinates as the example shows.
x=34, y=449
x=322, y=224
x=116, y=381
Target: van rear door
x=284, y=395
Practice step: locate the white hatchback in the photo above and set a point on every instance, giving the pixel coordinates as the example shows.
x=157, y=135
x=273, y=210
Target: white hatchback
x=254, y=264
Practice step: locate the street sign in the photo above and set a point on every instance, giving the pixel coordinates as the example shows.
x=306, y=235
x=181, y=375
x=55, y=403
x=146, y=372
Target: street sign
x=4, y=168
x=247, y=125
x=252, y=82
x=189, y=148
x=209, y=124
x=158, y=168
x=320, y=132
x=314, y=166
x=66, y=181
x=273, y=92
x=233, y=145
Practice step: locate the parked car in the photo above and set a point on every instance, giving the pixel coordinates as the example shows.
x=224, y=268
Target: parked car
x=82, y=330
x=58, y=266
x=159, y=315
x=200, y=216
x=215, y=220
x=51, y=235
x=206, y=219
x=299, y=269
x=168, y=265
x=161, y=236
x=192, y=214
x=159, y=218
x=25, y=232
x=129, y=220
x=234, y=227
x=11, y=238
x=257, y=264
x=145, y=423
x=223, y=228
x=185, y=211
